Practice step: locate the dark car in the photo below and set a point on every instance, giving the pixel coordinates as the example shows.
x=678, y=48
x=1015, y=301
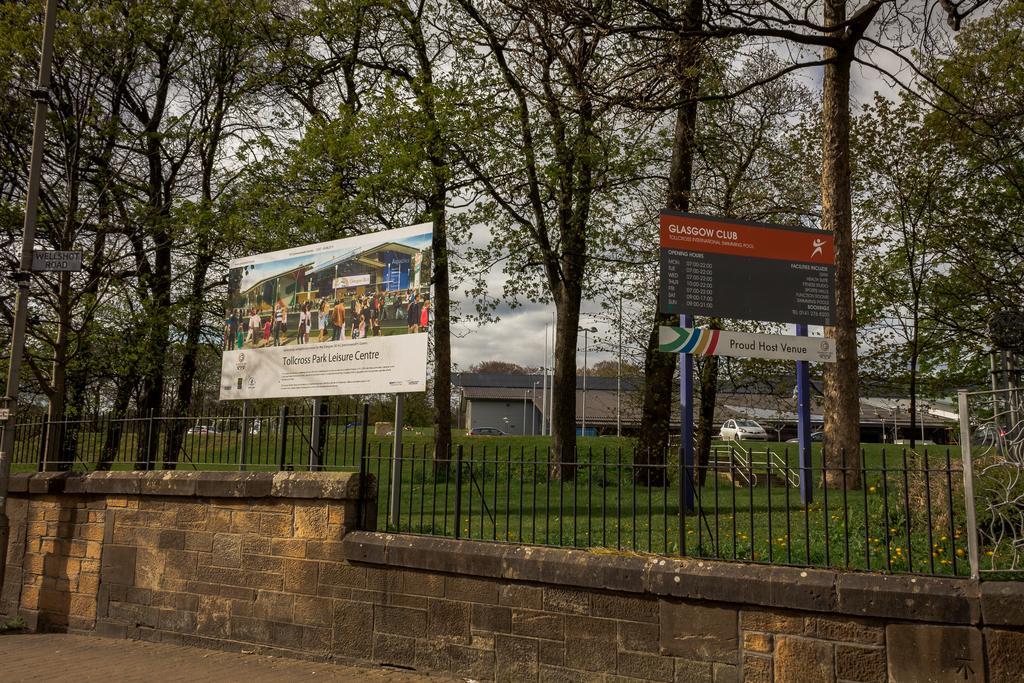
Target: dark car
x=485, y=431
x=815, y=436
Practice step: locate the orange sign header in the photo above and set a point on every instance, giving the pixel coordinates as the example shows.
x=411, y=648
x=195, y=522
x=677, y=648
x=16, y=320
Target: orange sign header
x=689, y=232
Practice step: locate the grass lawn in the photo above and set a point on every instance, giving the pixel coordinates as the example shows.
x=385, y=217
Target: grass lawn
x=506, y=494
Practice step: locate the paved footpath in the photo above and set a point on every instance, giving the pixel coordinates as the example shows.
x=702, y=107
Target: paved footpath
x=60, y=657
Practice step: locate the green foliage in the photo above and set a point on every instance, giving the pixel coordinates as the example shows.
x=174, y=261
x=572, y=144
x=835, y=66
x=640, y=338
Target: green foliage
x=184, y=133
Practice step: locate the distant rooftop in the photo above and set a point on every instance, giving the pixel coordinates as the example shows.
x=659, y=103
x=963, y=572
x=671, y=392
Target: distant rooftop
x=602, y=402
x=479, y=380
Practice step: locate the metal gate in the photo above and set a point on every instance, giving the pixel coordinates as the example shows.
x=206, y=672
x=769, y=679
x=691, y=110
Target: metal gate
x=992, y=443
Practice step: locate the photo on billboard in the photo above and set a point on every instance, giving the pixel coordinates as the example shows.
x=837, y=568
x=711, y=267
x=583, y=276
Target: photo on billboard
x=348, y=316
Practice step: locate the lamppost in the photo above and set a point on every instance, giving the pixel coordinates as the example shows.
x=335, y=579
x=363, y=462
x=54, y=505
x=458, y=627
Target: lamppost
x=618, y=378
x=545, y=407
x=586, y=331
x=533, y=413
x=525, y=395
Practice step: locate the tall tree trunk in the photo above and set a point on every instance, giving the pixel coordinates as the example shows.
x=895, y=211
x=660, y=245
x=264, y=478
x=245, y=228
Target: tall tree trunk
x=53, y=459
x=842, y=403
x=562, y=463
x=190, y=358
x=115, y=419
x=157, y=332
x=442, y=331
x=660, y=368
x=79, y=372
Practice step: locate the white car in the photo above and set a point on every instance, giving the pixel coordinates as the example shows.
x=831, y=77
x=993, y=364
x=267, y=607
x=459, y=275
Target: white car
x=742, y=430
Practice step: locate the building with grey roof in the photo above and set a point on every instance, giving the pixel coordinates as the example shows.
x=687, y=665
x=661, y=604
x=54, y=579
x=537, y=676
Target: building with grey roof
x=515, y=405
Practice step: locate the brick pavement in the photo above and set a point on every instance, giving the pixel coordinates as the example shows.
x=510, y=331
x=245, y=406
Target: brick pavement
x=82, y=659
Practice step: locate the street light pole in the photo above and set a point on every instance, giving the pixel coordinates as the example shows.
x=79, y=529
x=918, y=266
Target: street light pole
x=551, y=368
x=618, y=378
x=584, y=431
x=533, y=413
x=525, y=395
x=41, y=96
x=585, y=331
x=544, y=387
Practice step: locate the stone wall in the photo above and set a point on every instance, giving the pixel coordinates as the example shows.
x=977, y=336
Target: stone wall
x=514, y=613
x=270, y=562
x=213, y=558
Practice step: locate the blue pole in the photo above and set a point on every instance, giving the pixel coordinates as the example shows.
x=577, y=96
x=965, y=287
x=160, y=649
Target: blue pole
x=803, y=427
x=686, y=419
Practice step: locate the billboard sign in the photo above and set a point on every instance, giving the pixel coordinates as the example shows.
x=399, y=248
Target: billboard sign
x=737, y=269
x=351, y=281
x=339, y=317
x=705, y=342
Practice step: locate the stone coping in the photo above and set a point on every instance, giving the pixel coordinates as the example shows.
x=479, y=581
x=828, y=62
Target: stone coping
x=888, y=596
x=206, y=484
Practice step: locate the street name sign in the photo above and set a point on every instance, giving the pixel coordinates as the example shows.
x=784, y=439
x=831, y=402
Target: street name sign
x=704, y=342
x=56, y=261
x=728, y=268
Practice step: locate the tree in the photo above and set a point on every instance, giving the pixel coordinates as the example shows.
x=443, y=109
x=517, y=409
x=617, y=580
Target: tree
x=979, y=115
x=841, y=39
x=659, y=367
x=416, y=50
x=610, y=368
x=903, y=192
x=499, y=367
x=225, y=77
x=557, y=159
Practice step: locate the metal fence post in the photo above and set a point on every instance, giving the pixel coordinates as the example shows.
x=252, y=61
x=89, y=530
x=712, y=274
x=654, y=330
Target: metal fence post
x=396, y=463
x=243, y=445
x=362, y=446
x=314, y=436
x=458, y=492
x=364, y=471
x=44, y=432
x=803, y=398
x=282, y=436
x=972, y=517
x=148, y=459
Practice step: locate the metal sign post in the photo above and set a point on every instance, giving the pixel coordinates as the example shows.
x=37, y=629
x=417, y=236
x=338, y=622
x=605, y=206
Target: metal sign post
x=243, y=446
x=686, y=421
x=803, y=425
x=41, y=95
x=396, y=464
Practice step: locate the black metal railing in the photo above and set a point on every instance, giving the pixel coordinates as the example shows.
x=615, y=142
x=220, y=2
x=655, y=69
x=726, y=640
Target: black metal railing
x=899, y=512
x=322, y=436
